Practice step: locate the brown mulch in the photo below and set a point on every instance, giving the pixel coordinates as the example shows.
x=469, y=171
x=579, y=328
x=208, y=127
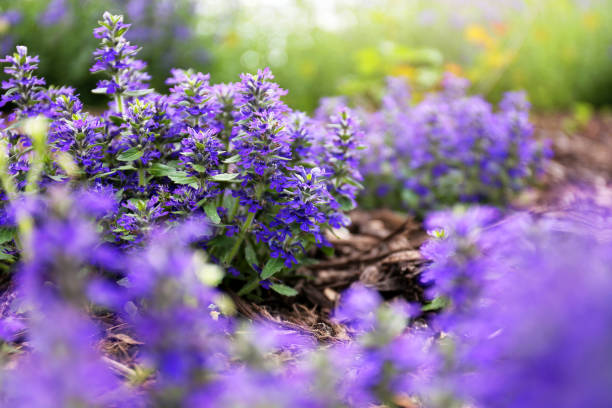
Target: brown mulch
x=380, y=250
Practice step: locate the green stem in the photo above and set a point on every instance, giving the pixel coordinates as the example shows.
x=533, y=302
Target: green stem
x=233, y=209
x=240, y=240
x=119, y=103
x=141, y=177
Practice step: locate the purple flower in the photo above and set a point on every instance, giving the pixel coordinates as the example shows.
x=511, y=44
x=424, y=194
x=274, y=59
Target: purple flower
x=450, y=147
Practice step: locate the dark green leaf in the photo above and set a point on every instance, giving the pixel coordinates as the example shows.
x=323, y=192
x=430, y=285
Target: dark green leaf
x=346, y=204
x=181, y=177
x=7, y=234
x=224, y=177
x=438, y=303
x=139, y=92
x=199, y=168
x=272, y=267
x=161, y=170
x=117, y=120
x=130, y=154
x=250, y=255
x=328, y=251
x=232, y=159
x=211, y=211
x=283, y=289
x=253, y=283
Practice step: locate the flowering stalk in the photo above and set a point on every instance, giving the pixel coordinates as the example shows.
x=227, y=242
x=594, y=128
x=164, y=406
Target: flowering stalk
x=116, y=58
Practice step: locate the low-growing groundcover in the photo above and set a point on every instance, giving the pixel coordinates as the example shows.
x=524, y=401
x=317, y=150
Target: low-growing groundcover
x=110, y=217
x=448, y=148
x=496, y=343
x=271, y=180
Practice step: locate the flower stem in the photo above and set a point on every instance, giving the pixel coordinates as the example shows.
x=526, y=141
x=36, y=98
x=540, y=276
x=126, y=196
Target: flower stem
x=245, y=228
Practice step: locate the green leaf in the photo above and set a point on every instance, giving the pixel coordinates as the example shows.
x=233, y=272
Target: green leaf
x=328, y=250
x=117, y=120
x=139, y=92
x=283, y=289
x=224, y=177
x=253, y=283
x=199, y=168
x=346, y=204
x=273, y=266
x=130, y=154
x=355, y=183
x=250, y=255
x=233, y=159
x=438, y=303
x=211, y=211
x=161, y=170
x=180, y=177
x=99, y=91
x=4, y=256
x=7, y=234
x=57, y=177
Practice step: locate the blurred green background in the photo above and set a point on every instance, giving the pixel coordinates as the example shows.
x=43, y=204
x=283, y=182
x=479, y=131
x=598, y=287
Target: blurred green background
x=560, y=51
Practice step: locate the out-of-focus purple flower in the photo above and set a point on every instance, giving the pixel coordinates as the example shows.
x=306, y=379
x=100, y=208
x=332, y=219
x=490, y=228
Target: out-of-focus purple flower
x=63, y=368
x=538, y=323
x=54, y=13
x=450, y=147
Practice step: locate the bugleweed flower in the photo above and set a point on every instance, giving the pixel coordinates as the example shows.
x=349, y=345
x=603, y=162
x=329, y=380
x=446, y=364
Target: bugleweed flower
x=63, y=368
x=63, y=250
x=23, y=88
x=63, y=260
x=271, y=181
x=449, y=148
x=116, y=57
x=171, y=293
x=538, y=325
x=387, y=360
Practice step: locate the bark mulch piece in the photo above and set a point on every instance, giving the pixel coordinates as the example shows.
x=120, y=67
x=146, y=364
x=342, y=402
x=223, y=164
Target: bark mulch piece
x=380, y=249
x=581, y=167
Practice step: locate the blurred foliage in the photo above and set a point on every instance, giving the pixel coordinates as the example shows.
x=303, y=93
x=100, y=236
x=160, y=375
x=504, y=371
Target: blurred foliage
x=60, y=31
x=560, y=51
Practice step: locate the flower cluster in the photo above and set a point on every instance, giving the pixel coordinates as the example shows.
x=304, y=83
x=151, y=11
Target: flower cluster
x=227, y=151
x=191, y=351
x=478, y=350
x=449, y=148
x=527, y=322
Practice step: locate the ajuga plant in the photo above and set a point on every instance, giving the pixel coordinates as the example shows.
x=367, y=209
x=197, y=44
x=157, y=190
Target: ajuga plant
x=526, y=322
x=191, y=351
x=525, y=298
x=272, y=181
x=448, y=148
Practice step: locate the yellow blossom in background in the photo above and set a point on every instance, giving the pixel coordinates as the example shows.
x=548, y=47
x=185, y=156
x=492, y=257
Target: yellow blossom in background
x=453, y=68
x=5, y=25
x=307, y=69
x=591, y=20
x=231, y=39
x=498, y=58
x=541, y=35
x=479, y=35
x=404, y=70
